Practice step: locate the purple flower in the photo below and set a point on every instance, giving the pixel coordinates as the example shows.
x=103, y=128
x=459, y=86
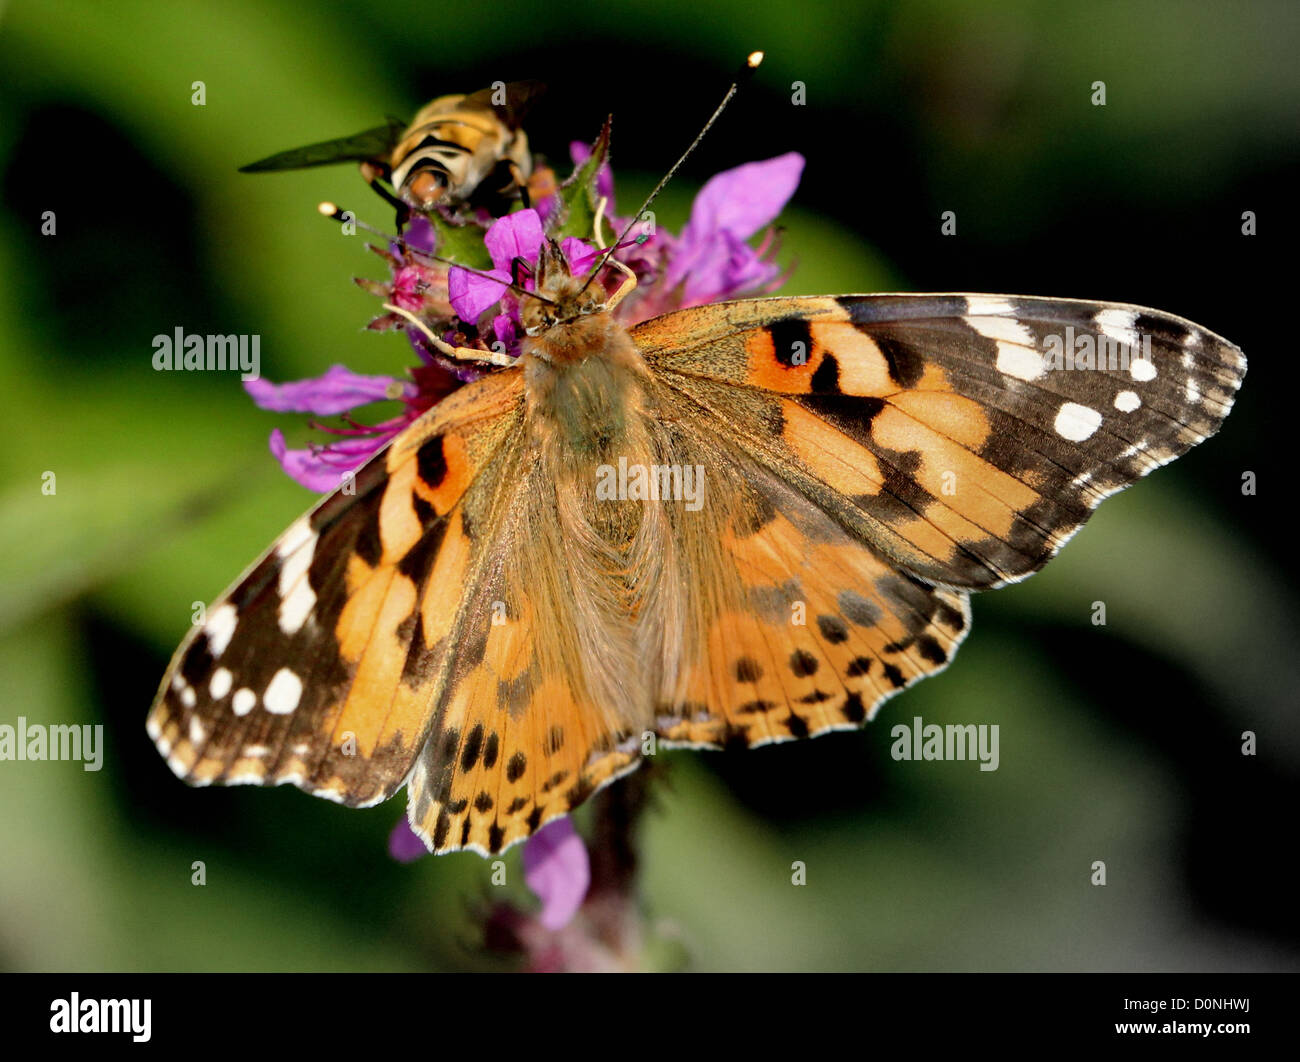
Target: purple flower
x=337, y=391
x=404, y=843
x=712, y=259
x=517, y=235
x=321, y=467
x=557, y=870
x=555, y=861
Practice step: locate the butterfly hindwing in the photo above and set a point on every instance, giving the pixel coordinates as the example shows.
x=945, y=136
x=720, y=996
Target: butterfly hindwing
x=809, y=628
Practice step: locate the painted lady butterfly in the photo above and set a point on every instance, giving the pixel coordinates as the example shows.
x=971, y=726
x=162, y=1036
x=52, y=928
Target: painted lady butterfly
x=483, y=622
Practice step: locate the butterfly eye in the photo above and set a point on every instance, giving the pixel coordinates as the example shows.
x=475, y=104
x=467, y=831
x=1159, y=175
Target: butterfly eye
x=540, y=325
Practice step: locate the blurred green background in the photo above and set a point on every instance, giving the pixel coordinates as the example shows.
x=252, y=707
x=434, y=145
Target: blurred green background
x=1118, y=743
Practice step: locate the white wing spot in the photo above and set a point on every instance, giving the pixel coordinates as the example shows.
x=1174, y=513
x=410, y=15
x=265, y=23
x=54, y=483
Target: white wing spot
x=1136, y=448
x=1118, y=324
x=1142, y=369
x=297, y=598
x=1193, y=392
x=1076, y=422
x=988, y=306
x=283, y=693
x=221, y=628
x=1002, y=328
x=188, y=697
x=1127, y=401
x=243, y=702
x=197, y=733
x=1024, y=363
x=221, y=682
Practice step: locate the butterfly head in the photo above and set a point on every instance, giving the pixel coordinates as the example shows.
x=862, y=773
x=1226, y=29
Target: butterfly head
x=564, y=299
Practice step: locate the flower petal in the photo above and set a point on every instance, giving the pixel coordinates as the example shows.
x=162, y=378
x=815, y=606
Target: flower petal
x=557, y=870
x=337, y=391
x=728, y=266
x=404, y=844
x=503, y=327
x=472, y=293
x=580, y=256
x=518, y=234
x=731, y=207
x=744, y=199
x=419, y=234
x=308, y=466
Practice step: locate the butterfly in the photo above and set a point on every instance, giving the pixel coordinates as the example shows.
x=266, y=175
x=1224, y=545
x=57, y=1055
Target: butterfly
x=735, y=524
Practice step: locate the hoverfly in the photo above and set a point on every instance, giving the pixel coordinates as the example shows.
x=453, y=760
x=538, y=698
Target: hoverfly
x=459, y=149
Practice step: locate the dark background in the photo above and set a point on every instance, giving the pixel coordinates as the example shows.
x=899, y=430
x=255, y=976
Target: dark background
x=1118, y=743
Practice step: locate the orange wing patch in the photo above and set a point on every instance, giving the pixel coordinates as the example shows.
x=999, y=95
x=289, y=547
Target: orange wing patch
x=826, y=630
x=266, y=693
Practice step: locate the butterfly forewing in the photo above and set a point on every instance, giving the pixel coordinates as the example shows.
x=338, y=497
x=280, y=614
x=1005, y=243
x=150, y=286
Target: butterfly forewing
x=316, y=669
x=938, y=427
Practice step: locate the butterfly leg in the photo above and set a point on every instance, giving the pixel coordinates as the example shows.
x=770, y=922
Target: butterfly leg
x=492, y=357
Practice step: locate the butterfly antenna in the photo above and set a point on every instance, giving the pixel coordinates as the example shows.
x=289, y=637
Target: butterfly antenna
x=331, y=210
x=746, y=71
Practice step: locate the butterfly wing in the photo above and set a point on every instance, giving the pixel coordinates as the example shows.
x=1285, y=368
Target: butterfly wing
x=931, y=425
x=317, y=667
x=896, y=452
x=804, y=627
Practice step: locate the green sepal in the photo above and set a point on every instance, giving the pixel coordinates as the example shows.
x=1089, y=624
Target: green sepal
x=576, y=215
x=463, y=244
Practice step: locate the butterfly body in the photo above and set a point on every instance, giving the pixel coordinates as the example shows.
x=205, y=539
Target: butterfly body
x=737, y=524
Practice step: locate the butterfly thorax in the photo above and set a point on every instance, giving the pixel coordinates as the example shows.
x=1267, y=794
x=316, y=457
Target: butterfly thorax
x=585, y=382
x=584, y=378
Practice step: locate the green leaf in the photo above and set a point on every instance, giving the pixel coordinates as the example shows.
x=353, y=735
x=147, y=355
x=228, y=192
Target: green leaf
x=577, y=214
x=463, y=244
